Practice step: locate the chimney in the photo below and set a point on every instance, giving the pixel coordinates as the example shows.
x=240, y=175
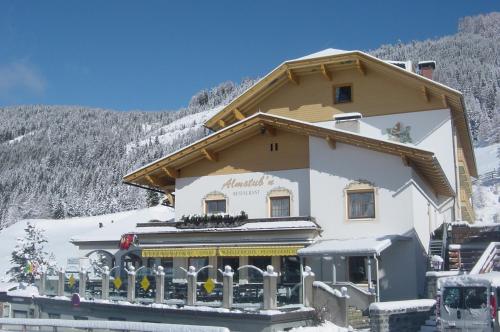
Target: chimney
x=348, y=121
x=426, y=68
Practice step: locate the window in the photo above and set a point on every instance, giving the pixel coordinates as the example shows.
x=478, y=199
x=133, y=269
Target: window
x=280, y=206
x=361, y=204
x=261, y=263
x=465, y=297
x=215, y=206
x=343, y=94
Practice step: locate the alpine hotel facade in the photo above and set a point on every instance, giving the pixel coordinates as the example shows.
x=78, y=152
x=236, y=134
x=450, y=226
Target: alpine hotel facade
x=337, y=160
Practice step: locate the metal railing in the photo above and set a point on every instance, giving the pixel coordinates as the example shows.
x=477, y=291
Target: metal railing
x=489, y=260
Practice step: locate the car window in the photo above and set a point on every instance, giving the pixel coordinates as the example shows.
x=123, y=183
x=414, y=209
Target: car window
x=451, y=297
x=475, y=297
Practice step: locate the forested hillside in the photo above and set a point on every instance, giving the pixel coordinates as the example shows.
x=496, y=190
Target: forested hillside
x=60, y=161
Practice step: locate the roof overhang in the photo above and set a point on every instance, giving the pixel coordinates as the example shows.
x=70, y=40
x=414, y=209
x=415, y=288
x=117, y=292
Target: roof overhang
x=164, y=171
x=291, y=71
x=350, y=247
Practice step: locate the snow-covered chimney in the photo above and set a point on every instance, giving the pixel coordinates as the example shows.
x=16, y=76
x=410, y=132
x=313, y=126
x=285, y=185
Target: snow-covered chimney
x=348, y=121
x=426, y=68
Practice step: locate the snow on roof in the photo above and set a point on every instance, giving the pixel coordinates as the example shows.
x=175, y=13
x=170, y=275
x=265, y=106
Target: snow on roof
x=7, y=286
x=59, y=232
x=402, y=305
x=25, y=291
x=352, y=247
x=491, y=278
x=251, y=226
x=322, y=53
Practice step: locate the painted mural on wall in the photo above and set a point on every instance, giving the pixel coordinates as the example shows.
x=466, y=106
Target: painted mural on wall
x=399, y=133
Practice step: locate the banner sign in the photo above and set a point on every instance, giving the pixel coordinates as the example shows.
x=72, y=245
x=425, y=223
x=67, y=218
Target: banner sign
x=223, y=251
x=179, y=252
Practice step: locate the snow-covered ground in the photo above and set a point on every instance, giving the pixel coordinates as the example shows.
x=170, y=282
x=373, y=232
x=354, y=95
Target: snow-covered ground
x=59, y=232
x=487, y=198
x=487, y=158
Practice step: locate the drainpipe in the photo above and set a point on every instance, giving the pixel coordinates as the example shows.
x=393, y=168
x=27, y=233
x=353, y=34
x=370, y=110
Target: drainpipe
x=369, y=274
x=334, y=271
x=376, y=276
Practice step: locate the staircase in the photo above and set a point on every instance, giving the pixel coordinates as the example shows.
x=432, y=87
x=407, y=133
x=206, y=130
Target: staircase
x=357, y=319
x=489, y=261
x=464, y=257
x=430, y=325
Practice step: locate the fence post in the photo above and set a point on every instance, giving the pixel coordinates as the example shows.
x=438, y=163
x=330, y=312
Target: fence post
x=308, y=281
x=105, y=283
x=131, y=284
x=160, y=285
x=60, y=284
x=227, y=287
x=43, y=281
x=191, y=285
x=82, y=283
x=270, y=281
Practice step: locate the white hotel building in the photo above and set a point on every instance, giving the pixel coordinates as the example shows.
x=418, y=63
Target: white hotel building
x=339, y=160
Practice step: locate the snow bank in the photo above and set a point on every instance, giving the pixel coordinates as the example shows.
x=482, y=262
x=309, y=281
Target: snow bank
x=24, y=291
x=402, y=305
x=325, y=327
x=59, y=232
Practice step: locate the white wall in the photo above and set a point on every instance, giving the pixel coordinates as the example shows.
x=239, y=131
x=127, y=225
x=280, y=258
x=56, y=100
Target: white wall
x=333, y=170
x=429, y=130
x=190, y=192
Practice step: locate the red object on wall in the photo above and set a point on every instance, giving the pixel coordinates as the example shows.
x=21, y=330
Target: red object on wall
x=126, y=241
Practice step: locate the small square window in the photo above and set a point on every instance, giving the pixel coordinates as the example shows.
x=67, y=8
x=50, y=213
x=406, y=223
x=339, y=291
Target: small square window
x=343, y=94
x=215, y=206
x=280, y=207
x=361, y=205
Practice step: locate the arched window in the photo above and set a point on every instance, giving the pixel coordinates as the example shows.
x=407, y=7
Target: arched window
x=361, y=201
x=215, y=203
x=279, y=203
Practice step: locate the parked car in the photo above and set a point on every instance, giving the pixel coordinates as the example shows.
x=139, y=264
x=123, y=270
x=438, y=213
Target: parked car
x=469, y=303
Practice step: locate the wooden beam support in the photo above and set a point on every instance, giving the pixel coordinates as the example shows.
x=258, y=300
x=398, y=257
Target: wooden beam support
x=150, y=180
x=425, y=93
x=361, y=67
x=292, y=77
x=210, y=155
x=331, y=142
x=221, y=123
x=170, y=172
x=238, y=115
x=325, y=72
x=446, y=104
x=406, y=160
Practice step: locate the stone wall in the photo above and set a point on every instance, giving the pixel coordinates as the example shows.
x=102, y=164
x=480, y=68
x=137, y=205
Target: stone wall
x=398, y=316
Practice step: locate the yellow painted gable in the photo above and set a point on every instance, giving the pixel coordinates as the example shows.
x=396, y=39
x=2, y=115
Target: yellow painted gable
x=375, y=93
x=254, y=155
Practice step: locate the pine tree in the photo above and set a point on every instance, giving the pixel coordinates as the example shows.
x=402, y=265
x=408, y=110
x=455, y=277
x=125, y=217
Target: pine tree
x=29, y=257
x=152, y=198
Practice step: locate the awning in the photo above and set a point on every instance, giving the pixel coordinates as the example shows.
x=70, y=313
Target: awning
x=222, y=251
x=350, y=247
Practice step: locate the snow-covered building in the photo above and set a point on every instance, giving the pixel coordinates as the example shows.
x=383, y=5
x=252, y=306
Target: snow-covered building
x=337, y=160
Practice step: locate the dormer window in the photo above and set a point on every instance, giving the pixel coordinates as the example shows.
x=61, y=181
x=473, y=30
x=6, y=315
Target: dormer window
x=343, y=94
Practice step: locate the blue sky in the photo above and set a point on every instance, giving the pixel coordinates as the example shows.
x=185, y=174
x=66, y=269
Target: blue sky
x=154, y=55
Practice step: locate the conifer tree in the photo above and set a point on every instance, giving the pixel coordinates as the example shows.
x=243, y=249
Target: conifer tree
x=29, y=258
x=152, y=198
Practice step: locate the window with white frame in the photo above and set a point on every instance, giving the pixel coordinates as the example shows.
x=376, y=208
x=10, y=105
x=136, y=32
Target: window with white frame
x=280, y=206
x=215, y=206
x=361, y=201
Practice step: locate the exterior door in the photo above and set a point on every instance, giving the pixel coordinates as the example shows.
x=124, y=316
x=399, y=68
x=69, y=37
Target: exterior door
x=357, y=269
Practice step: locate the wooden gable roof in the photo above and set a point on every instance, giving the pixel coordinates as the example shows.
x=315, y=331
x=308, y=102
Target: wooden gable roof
x=162, y=173
x=327, y=64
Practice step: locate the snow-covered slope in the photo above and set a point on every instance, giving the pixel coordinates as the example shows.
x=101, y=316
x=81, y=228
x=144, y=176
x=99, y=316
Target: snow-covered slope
x=59, y=232
x=487, y=197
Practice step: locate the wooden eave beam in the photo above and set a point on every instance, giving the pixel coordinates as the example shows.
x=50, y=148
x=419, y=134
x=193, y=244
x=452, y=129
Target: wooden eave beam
x=361, y=67
x=150, y=180
x=170, y=172
x=332, y=143
x=425, y=93
x=446, y=104
x=209, y=155
x=292, y=77
x=406, y=160
x=325, y=72
x=238, y=115
x=221, y=123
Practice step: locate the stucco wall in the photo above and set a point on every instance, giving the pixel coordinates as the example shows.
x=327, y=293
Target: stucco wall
x=333, y=170
x=253, y=199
